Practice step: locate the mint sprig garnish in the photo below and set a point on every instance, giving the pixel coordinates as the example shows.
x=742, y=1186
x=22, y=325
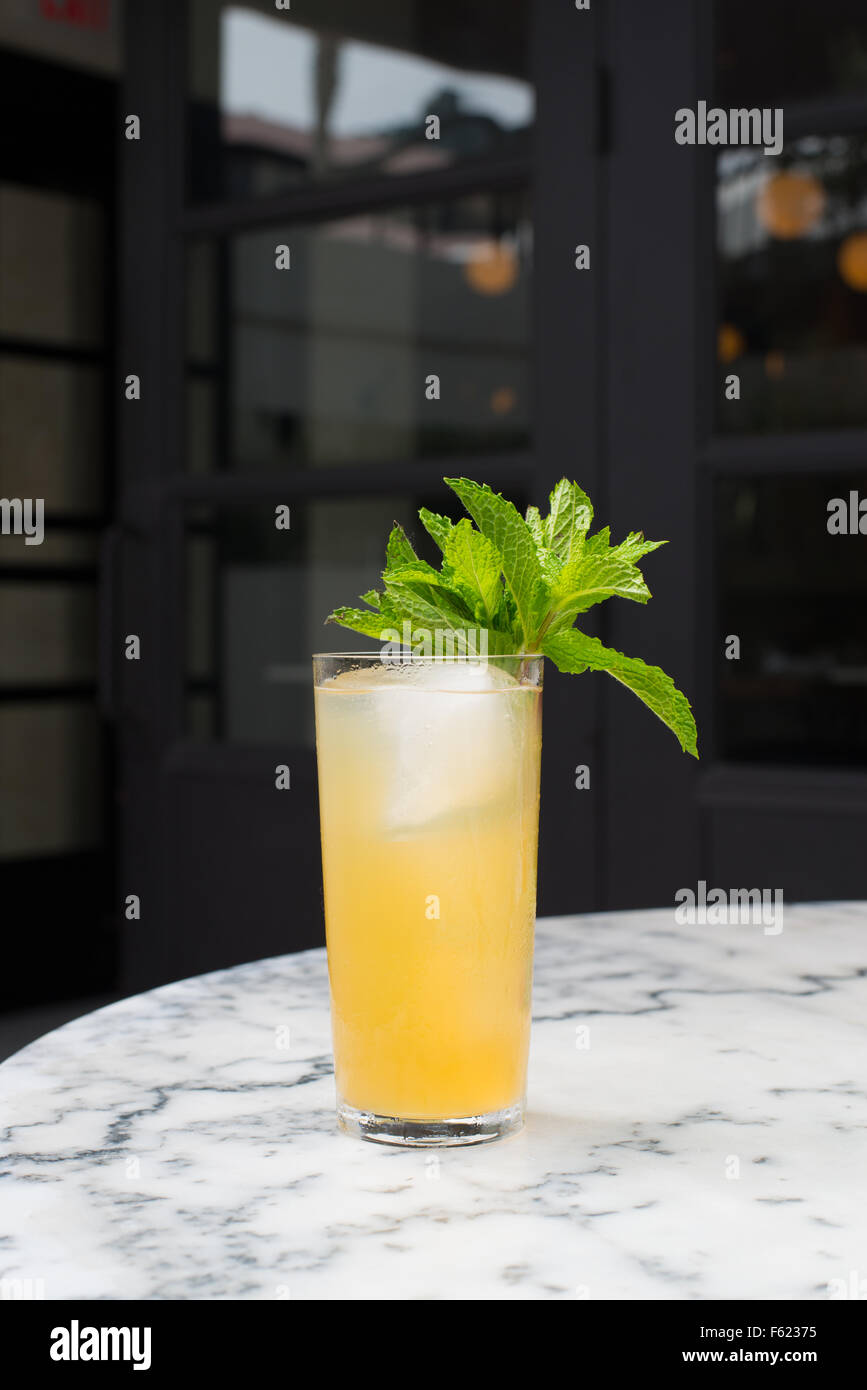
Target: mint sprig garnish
x=525, y=580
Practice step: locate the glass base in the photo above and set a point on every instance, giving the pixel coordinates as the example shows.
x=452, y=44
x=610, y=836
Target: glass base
x=430, y=1134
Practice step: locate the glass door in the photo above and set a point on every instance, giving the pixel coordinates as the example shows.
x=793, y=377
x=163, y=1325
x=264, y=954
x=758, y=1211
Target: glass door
x=738, y=369
x=784, y=461
x=341, y=310
x=56, y=413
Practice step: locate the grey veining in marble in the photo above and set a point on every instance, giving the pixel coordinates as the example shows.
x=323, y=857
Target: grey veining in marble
x=709, y=1142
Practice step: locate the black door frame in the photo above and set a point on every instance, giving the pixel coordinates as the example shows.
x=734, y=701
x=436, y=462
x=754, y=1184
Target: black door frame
x=650, y=275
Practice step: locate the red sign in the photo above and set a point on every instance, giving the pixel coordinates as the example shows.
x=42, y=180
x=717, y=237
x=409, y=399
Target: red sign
x=85, y=14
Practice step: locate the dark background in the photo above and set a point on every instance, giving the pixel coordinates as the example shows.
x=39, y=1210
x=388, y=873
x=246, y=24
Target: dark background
x=305, y=387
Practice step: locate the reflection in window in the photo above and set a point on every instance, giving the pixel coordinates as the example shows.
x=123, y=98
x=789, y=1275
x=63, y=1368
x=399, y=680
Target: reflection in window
x=47, y=633
x=56, y=746
x=324, y=91
x=792, y=248
x=795, y=595
x=52, y=260
x=257, y=598
x=330, y=362
x=51, y=432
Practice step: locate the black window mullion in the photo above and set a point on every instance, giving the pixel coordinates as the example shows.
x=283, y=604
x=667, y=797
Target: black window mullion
x=44, y=691
x=329, y=202
x=820, y=451
x=502, y=471
x=54, y=352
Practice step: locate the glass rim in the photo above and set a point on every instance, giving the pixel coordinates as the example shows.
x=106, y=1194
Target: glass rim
x=443, y=656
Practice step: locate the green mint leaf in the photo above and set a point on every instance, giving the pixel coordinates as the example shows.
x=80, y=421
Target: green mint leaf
x=414, y=572
x=533, y=518
x=502, y=524
x=437, y=527
x=592, y=579
x=359, y=620
x=473, y=558
x=553, y=571
x=549, y=563
x=568, y=521
x=429, y=605
x=575, y=652
x=419, y=573
x=601, y=542
x=635, y=546
x=398, y=550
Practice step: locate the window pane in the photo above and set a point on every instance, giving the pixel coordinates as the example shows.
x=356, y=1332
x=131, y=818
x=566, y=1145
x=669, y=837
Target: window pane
x=47, y=633
x=202, y=308
x=331, y=359
x=52, y=260
x=792, y=246
x=795, y=596
x=52, y=778
x=201, y=578
x=775, y=51
x=51, y=430
x=75, y=33
x=257, y=599
x=78, y=550
x=201, y=717
x=326, y=90
x=203, y=403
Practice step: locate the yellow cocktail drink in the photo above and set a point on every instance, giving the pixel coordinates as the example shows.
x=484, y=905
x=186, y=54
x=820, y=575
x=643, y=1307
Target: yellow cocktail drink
x=429, y=803
x=429, y=796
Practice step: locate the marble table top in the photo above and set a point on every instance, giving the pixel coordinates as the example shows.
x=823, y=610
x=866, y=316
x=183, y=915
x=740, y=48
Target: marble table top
x=696, y=1130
